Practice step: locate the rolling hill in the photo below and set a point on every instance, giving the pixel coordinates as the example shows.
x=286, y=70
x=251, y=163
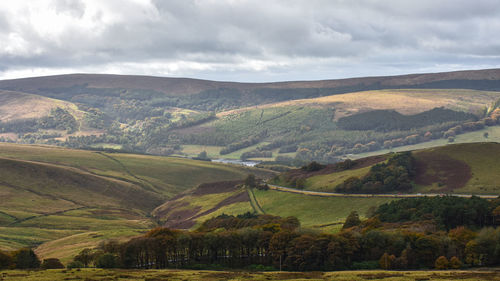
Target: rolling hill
x=326, y=214
x=472, y=79
x=306, y=120
x=63, y=200
x=468, y=168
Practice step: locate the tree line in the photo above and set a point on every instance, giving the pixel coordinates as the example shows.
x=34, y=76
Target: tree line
x=389, y=239
x=413, y=233
x=395, y=175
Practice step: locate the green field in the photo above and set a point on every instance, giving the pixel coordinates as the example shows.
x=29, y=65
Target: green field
x=207, y=275
x=55, y=198
x=329, y=181
x=322, y=213
x=326, y=214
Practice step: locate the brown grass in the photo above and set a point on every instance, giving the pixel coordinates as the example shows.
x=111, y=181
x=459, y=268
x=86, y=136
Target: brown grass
x=17, y=105
x=181, y=213
x=216, y=187
x=407, y=102
x=441, y=169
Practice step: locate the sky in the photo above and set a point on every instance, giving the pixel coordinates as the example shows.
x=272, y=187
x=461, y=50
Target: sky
x=247, y=41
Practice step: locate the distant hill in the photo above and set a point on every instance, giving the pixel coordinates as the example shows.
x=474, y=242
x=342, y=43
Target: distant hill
x=487, y=79
x=283, y=122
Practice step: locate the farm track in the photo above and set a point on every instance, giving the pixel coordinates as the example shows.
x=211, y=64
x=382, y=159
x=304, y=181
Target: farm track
x=8, y=215
x=253, y=201
x=331, y=194
x=46, y=195
x=18, y=221
x=148, y=186
x=74, y=169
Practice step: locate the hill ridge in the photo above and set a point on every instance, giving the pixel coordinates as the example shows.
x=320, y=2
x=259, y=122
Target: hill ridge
x=194, y=85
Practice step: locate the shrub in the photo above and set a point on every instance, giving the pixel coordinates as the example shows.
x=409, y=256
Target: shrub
x=387, y=261
x=5, y=260
x=75, y=264
x=313, y=166
x=352, y=220
x=442, y=263
x=86, y=257
x=107, y=260
x=455, y=263
x=250, y=181
x=52, y=263
x=26, y=258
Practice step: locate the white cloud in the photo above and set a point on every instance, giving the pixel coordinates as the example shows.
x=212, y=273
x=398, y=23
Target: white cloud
x=247, y=40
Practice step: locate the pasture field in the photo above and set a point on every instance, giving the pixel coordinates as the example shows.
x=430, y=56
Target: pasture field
x=92, y=274
x=326, y=214
x=192, y=150
x=323, y=213
x=329, y=181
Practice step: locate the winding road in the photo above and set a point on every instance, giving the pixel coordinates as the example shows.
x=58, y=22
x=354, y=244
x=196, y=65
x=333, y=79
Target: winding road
x=332, y=194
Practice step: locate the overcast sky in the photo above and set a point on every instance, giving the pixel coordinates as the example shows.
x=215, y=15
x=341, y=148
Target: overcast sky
x=257, y=41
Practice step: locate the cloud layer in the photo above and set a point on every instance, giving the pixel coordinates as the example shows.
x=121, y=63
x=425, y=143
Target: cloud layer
x=247, y=40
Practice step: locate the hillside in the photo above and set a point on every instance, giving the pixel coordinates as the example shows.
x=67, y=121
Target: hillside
x=70, y=199
x=299, y=120
x=326, y=214
x=469, y=168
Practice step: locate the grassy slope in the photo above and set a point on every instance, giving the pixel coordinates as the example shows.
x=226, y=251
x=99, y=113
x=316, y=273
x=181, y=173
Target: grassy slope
x=50, y=194
x=207, y=275
x=481, y=157
x=322, y=213
x=483, y=160
x=405, y=101
x=315, y=211
x=328, y=181
x=17, y=105
x=206, y=202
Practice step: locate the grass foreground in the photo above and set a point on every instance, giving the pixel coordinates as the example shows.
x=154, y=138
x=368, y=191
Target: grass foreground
x=206, y=275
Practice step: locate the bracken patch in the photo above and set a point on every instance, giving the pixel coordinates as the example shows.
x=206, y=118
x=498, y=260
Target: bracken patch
x=442, y=169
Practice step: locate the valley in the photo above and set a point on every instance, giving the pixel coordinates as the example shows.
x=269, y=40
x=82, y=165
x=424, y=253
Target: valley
x=285, y=123
x=63, y=200
x=98, y=164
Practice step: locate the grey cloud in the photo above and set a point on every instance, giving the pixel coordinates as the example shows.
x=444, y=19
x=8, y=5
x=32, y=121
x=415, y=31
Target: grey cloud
x=75, y=8
x=318, y=37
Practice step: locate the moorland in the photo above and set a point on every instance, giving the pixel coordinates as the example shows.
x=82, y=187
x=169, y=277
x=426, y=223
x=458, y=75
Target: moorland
x=115, y=171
